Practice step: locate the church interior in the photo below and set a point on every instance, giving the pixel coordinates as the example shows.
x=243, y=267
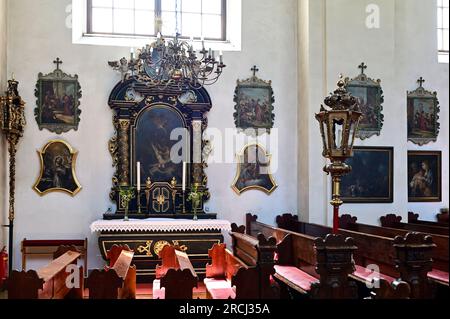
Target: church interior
x=224, y=149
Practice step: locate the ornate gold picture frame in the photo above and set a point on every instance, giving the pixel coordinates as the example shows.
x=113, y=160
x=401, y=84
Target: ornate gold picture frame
x=57, y=173
x=254, y=170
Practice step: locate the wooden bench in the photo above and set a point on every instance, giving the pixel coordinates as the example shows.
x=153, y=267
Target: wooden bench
x=413, y=218
x=394, y=221
x=118, y=279
x=175, y=277
x=47, y=247
x=257, y=252
x=384, y=253
x=228, y=277
x=440, y=254
x=316, y=268
x=48, y=282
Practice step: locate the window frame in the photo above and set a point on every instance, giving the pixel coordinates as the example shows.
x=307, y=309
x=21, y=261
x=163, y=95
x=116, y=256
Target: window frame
x=157, y=13
x=443, y=55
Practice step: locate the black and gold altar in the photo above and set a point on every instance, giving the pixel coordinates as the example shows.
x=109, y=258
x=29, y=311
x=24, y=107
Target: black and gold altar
x=146, y=118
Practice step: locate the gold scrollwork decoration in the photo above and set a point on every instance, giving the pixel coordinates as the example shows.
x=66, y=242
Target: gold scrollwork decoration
x=145, y=249
x=159, y=245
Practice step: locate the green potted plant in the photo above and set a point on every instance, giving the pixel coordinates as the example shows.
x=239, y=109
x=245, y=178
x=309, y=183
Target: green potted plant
x=126, y=195
x=195, y=196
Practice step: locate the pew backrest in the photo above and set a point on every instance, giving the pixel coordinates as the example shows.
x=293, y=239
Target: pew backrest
x=440, y=252
x=394, y=221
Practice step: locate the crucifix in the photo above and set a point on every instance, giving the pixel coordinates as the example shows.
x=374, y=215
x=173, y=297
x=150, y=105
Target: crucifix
x=58, y=61
x=421, y=81
x=362, y=66
x=254, y=70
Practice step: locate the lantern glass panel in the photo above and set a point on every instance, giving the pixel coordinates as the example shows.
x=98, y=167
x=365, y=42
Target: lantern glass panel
x=352, y=134
x=325, y=136
x=338, y=131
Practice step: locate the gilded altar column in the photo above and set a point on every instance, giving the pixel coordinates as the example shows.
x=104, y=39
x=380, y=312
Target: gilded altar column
x=197, y=151
x=124, y=151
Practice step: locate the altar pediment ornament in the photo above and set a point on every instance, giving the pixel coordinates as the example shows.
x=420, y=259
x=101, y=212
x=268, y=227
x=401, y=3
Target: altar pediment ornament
x=370, y=97
x=254, y=170
x=57, y=174
x=254, y=104
x=58, y=99
x=423, y=115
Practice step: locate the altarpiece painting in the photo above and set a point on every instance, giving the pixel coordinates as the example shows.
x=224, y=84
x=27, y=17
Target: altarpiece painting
x=151, y=122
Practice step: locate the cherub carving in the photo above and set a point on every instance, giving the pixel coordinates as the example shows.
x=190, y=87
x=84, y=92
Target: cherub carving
x=120, y=66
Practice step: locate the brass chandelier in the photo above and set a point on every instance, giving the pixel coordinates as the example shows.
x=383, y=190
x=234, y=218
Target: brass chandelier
x=176, y=61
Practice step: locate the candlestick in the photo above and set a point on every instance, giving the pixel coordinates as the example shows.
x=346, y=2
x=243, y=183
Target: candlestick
x=132, y=53
x=139, y=201
x=184, y=177
x=139, y=176
x=173, y=184
x=221, y=57
x=148, y=187
x=184, y=202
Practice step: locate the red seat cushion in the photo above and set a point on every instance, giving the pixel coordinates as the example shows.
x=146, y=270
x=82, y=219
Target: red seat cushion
x=438, y=275
x=296, y=276
x=367, y=274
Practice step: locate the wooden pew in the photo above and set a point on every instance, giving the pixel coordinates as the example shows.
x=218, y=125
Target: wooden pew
x=175, y=277
x=246, y=272
x=414, y=219
x=315, y=267
x=118, y=279
x=440, y=254
x=43, y=247
x=385, y=253
x=394, y=221
x=227, y=277
x=258, y=253
x=48, y=282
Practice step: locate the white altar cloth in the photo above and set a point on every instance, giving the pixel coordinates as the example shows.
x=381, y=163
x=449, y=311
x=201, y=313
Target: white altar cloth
x=160, y=224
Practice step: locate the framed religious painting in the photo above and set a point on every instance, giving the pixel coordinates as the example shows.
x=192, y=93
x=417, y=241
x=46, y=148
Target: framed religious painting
x=253, y=171
x=423, y=115
x=372, y=177
x=58, y=100
x=254, y=105
x=424, y=176
x=57, y=173
x=370, y=96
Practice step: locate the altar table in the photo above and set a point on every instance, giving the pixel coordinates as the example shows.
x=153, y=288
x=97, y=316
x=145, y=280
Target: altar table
x=147, y=237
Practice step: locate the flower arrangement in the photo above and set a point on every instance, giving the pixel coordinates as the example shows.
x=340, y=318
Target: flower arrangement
x=126, y=195
x=195, y=196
